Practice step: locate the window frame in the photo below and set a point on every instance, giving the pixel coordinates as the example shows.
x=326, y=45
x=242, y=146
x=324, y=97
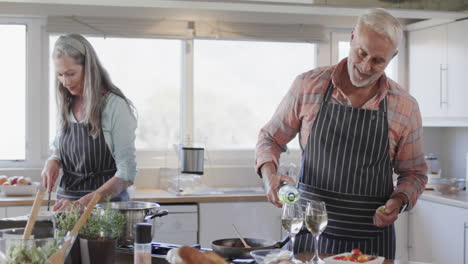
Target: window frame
x=36, y=93
x=37, y=107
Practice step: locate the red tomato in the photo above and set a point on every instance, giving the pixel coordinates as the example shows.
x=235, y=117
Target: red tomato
x=14, y=180
x=356, y=252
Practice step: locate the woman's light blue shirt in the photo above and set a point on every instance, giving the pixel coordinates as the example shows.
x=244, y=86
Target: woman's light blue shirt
x=118, y=125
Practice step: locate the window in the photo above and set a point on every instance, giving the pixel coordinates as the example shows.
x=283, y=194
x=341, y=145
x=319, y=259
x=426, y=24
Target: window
x=13, y=92
x=239, y=84
x=148, y=73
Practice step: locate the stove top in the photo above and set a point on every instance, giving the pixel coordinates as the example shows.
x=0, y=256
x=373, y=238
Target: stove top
x=159, y=252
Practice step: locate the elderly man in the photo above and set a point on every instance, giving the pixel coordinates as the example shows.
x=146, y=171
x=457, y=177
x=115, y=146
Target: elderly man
x=356, y=128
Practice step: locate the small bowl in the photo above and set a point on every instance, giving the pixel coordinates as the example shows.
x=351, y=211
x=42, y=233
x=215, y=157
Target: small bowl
x=448, y=185
x=260, y=254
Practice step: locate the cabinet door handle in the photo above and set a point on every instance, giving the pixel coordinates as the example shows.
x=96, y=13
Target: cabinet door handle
x=443, y=95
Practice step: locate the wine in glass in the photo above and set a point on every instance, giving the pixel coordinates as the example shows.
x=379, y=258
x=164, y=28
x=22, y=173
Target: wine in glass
x=316, y=220
x=292, y=220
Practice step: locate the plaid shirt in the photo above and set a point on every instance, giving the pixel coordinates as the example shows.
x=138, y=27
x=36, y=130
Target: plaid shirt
x=299, y=108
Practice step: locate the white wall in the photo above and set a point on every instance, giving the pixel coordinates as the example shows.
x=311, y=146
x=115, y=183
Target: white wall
x=451, y=145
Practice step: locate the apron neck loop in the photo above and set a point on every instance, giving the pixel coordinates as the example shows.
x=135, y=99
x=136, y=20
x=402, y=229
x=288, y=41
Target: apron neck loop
x=328, y=93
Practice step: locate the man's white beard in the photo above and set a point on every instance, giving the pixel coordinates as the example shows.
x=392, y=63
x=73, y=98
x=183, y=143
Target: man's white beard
x=356, y=81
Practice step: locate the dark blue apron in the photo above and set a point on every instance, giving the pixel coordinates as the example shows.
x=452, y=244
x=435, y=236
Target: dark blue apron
x=346, y=164
x=87, y=163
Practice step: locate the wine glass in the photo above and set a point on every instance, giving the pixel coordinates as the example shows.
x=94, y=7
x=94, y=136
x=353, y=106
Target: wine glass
x=292, y=220
x=316, y=220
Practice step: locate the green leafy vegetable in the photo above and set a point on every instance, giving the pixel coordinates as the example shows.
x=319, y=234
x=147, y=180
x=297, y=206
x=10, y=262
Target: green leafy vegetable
x=22, y=253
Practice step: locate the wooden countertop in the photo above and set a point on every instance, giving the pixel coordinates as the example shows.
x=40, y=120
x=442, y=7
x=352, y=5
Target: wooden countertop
x=163, y=196
x=150, y=195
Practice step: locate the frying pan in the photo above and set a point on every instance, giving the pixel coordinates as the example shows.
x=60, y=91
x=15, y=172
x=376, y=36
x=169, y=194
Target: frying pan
x=232, y=248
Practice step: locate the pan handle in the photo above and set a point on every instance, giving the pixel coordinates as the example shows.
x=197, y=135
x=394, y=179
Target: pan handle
x=285, y=240
x=156, y=214
x=282, y=242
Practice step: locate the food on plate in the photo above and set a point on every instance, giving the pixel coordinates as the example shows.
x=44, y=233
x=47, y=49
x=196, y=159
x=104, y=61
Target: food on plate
x=32, y=254
x=3, y=179
x=23, y=181
x=188, y=255
x=355, y=256
x=14, y=180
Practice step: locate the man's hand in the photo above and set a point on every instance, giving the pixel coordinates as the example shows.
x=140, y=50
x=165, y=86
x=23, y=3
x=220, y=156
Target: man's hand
x=387, y=215
x=50, y=174
x=272, y=181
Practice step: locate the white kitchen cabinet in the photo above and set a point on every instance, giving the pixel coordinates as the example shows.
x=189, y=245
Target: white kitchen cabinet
x=180, y=226
x=436, y=233
x=14, y=211
x=401, y=231
x=426, y=75
x=252, y=219
x=457, y=63
x=3, y=212
x=437, y=61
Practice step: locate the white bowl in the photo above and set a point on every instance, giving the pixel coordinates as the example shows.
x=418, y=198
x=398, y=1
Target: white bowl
x=278, y=254
x=20, y=190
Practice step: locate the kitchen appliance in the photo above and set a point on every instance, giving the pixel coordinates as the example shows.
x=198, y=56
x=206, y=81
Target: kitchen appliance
x=433, y=169
x=191, y=162
x=135, y=212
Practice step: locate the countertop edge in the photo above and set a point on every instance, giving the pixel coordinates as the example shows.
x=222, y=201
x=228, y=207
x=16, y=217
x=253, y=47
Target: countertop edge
x=458, y=200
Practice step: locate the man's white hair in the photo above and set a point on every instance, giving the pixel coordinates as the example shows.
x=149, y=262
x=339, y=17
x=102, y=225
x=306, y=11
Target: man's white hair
x=382, y=22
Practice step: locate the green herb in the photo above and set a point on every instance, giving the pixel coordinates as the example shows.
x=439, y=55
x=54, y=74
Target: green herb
x=104, y=223
x=382, y=209
x=66, y=220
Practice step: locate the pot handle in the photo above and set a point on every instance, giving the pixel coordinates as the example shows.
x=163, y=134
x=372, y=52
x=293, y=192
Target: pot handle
x=156, y=214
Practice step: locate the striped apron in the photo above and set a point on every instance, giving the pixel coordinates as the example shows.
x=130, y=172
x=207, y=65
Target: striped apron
x=87, y=163
x=346, y=164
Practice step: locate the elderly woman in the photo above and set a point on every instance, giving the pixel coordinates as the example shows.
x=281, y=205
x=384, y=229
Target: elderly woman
x=95, y=142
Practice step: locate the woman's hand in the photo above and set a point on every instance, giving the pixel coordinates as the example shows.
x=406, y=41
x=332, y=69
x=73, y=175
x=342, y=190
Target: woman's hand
x=272, y=181
x=61, y=205
x=50, y=174
x=84, y=201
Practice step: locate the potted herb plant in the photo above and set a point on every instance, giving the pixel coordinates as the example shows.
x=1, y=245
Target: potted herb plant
x=64, y=222
x=98, y=237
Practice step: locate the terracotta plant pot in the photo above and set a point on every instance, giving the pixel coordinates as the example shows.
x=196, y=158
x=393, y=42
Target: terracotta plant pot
x=98, y=251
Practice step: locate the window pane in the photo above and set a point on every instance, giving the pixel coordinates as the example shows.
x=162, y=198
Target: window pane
x=13, y=92
x=148, y=72
x=390, y=71
x=238, y=86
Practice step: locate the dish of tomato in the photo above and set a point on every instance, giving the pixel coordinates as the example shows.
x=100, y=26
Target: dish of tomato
x=355, y=256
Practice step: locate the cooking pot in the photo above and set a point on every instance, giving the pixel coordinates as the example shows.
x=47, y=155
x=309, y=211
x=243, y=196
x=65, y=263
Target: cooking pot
x=232, y=248
x=135, y=212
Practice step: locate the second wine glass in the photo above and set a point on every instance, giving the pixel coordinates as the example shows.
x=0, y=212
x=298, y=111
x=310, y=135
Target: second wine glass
x=316, y=220
x=292, y=220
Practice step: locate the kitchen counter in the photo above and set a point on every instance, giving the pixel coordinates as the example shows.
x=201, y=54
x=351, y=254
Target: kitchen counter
x=459, y=200
x=163, y=196
x=152, y=195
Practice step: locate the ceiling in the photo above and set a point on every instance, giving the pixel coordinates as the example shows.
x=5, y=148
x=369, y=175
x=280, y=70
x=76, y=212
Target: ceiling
x=330, y=13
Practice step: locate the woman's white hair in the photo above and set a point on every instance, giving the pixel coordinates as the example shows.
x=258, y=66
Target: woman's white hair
x=382, y=22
